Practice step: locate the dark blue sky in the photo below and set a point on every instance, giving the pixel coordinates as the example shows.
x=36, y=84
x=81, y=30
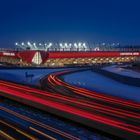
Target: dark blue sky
x=69, y=20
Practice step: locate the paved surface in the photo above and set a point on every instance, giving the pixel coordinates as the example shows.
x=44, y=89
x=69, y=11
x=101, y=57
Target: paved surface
x=110, y=114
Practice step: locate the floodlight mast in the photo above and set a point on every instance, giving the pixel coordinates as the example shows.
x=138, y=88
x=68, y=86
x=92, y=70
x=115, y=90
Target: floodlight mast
x=34, y=45
x=46, y=46
x=62, y=46
x=31, y=46
x=20, y=45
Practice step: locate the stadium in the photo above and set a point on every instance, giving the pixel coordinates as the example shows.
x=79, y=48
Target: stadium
x=68, y=54
x=70, y=91
x=69, y=70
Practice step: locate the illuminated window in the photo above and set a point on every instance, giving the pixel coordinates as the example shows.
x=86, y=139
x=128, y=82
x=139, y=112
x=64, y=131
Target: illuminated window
x=37, y=58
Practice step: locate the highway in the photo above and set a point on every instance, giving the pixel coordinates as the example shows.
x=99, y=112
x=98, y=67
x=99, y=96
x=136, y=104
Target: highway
x=35, y=127
x=110, y=114
x=12, y=132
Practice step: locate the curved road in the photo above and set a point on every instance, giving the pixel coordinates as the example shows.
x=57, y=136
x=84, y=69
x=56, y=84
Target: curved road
x=110, y=114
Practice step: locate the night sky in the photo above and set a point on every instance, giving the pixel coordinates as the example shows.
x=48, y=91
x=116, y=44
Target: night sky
x=69, y=20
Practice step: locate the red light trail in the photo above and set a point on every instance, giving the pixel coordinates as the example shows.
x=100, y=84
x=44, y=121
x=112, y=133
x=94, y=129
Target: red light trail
x=110, y=114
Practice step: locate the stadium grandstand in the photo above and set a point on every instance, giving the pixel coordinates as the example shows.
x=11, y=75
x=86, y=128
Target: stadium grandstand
x=68, y=54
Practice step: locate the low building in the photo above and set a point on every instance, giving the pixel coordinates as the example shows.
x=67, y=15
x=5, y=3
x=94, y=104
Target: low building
x=65, y=58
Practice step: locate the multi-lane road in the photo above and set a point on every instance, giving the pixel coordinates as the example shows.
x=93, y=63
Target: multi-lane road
x=113, y=115
x=34, y=129
x=12, y=132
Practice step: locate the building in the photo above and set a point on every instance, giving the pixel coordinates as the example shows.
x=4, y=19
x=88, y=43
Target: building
x=65, y=58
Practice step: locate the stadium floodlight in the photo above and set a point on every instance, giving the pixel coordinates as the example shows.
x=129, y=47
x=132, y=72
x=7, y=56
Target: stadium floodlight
x=22, y=43
x=75, y=44
x=66, y=44
x=16, y=43
x=60, y=44
x=34, y=46
x=79, y=44
x=40, y=44
x=28, y=43
x=50, y=44
x=84, y=44
x=47, y=46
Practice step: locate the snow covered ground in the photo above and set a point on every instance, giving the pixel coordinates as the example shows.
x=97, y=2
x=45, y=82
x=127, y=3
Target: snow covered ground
x=86, y=79
x=19, y=75
x=97, y=82
x=122, y=71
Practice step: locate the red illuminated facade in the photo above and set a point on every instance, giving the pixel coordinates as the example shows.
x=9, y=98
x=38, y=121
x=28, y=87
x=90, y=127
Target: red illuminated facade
x=32, y=57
